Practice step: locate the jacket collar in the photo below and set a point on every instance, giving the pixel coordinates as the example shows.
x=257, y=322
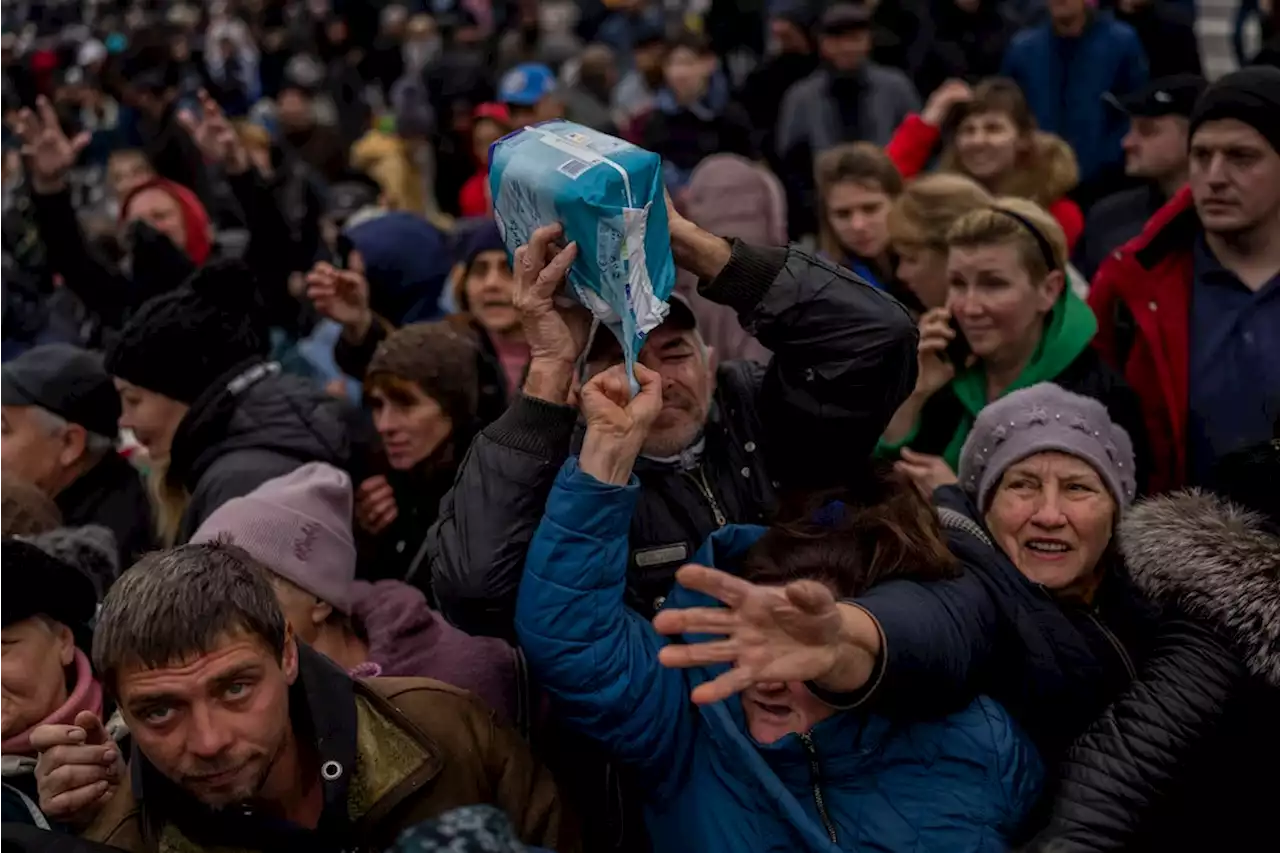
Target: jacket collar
x=322, y=710
x=1171, y=230
x=1216, y=561
x=93, y=485
x=205, y=421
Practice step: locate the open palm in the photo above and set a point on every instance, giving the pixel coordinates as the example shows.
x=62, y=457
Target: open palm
x=48, y=151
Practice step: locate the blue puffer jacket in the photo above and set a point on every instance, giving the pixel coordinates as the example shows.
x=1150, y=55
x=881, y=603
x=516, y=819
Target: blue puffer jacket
x=1066, y=80
x=959, y=784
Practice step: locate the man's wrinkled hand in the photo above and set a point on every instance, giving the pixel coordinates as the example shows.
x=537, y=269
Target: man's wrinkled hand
x=78, y=770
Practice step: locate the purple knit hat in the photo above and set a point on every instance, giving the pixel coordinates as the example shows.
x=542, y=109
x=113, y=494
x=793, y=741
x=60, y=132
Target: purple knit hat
x=298, y=526
x=1042, y=418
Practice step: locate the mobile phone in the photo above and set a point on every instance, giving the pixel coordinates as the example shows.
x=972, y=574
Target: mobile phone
x=958, y=351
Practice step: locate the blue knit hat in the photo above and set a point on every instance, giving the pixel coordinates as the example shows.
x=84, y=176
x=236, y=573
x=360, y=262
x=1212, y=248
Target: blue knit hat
x=1043, y=418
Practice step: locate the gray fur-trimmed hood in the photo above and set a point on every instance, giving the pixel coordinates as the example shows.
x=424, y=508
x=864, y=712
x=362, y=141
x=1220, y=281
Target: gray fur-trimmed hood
x=1217, y=562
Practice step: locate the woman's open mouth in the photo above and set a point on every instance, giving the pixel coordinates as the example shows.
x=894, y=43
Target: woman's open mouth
x=1048, y=549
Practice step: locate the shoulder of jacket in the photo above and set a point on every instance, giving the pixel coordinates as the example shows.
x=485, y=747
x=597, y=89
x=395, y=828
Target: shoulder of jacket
x=405, y=694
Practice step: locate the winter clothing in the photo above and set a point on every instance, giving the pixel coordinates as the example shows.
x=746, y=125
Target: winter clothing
x=37, y=582
x=1041, y=418
x=844, y=360
x=686, y=134
x=1168, y=35
x=965, y=44
x=1175, y=762
x=25, y=509
x=709, y=785
x=178, y=344
x=113, y=495
x=1114, y=221
x=68, y=381
x=469, y=829
x=195, y=221
x=526, y=84
x=406, y=262
x=298, y=526
x=1062, y=357
x=90, y=549
x=766, y=87
x=406, y=750
x=251, y=425
x=1065, y=80
x=1051, y=172
x=408, y=638
x=1251, y=95
x=85, y=695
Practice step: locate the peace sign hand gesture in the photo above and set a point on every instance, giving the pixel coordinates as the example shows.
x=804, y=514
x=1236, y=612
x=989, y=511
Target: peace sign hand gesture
x=48, y=151
x=215, y=137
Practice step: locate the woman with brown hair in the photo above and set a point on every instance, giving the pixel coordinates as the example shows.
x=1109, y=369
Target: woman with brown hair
x=857, y=184
x=995, y=142
x=918, y=224
x=774, y=768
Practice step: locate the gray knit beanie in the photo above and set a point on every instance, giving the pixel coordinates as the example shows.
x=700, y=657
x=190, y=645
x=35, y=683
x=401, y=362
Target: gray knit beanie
x=298, y=526
x=1042, y=418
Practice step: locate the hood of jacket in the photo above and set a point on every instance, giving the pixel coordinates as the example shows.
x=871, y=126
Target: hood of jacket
x=1216, y=561
x=1051, y=173
x=407, y=262
x=259, y=408
x=730, y=196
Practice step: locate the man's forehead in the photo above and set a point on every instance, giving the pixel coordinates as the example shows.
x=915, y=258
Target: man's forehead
x=1218, y=133
x=192, y=670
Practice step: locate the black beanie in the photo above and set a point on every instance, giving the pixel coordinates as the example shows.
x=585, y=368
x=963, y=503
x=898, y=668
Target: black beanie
x=180, y=343
x=1250, y=95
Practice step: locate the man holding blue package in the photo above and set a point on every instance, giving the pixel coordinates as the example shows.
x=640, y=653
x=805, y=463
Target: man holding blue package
x=732, y=440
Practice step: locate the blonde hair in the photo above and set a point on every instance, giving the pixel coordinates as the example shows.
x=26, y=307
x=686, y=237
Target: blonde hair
x=388, y=159
x=859, y=163
x=1010, y=221
x=169, y=501
x=930, y=205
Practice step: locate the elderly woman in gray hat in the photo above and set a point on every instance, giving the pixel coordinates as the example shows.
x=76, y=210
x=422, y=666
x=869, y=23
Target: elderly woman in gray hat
x=1043, y=619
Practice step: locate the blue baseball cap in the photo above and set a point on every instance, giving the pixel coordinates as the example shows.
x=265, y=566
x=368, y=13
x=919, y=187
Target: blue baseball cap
x=526, y=84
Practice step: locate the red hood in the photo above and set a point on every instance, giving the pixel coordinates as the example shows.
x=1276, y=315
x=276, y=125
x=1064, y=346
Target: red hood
x=1180, y=205
x=195, y=220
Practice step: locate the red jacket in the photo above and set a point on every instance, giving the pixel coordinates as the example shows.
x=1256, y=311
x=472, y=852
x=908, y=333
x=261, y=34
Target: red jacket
x=912, y=147
x=1141, y=296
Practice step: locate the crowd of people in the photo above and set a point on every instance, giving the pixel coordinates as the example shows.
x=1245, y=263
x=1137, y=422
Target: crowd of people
x=944, y=517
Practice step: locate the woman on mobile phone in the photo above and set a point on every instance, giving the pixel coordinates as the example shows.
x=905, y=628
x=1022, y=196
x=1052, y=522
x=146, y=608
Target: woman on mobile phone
x=1009, y=321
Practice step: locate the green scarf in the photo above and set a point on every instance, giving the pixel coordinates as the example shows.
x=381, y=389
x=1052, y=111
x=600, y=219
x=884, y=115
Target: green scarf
x=1068, y=330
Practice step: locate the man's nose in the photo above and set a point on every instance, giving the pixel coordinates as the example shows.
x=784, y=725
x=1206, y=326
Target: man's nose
x=206, y=739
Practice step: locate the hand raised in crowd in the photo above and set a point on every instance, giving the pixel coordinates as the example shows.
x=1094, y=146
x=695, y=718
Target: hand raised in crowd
x=928, y=472
x=795, y=632
x=78, y=770
x=617, y=423
x=215, y=137
x=555, y=326
x=342, y=296
x=935, y=369
x=375, y=505
x=693, y=249
x=48, y=152
x=943, y=100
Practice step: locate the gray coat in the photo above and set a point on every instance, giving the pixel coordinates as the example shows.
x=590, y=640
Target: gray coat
x=809, y=115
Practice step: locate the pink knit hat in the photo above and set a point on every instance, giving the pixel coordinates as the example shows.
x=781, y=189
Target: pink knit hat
x=298, y=526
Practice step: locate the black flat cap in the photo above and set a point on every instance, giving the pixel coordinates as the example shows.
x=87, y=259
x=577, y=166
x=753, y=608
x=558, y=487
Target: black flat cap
x=66, y=380
x=1175, y=95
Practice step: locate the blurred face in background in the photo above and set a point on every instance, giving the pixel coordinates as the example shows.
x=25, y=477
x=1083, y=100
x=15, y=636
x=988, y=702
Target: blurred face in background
x=1235, y=179
x=687, y=73
x=988, y=145
x=490, y=286
x=161, y=211
x=995, y=302
x=1067, y=11
x=34, y=655
x=484, y=133
x=127, y=170
x=786, y=37
x=648, y=61
x=411, y=423
x=859, y=215
x=1155, y=148
x=294, y=109
x=846, y=51
x=923, y=269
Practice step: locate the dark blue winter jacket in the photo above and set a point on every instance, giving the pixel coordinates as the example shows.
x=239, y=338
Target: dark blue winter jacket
x=854, y=782
x=1067, y=79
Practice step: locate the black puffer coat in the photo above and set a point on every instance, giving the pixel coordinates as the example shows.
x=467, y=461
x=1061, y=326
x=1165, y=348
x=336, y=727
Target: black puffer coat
x=252, y=426
x=1186, y=757
x=843, y=361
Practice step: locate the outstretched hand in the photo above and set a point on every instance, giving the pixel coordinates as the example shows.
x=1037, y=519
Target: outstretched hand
x=49, y=153
x=617, y=423
x=342, y=296
x=767, y=633
x=215, y=137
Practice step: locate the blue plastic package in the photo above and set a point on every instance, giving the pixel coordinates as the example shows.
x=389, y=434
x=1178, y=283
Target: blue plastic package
x=607, y=193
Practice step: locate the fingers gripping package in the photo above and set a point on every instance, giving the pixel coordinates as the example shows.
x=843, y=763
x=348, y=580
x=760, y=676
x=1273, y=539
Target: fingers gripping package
x=607, y=194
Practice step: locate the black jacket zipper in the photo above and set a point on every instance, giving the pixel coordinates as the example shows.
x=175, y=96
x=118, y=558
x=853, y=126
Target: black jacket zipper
x=815, y=773
x=1115, y=644
x=700, y=481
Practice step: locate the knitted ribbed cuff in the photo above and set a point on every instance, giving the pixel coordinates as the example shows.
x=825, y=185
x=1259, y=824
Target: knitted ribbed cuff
x=536, y=427
x=747, y=277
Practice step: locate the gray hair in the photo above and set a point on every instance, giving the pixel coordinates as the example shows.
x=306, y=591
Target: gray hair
x=94, y=444
x=174, y=605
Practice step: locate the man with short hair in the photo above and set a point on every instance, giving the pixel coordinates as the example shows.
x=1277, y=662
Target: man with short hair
x=60, y=410
x=244, y=738
x=1189, y=310
x=1155, y=151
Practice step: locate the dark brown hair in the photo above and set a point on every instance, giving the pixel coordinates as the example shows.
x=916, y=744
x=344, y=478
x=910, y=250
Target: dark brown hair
x=438, y=357
x=851, y=542
x=859, y=163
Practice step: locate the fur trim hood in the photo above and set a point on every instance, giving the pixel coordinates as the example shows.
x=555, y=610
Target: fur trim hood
x=1053, y=170
x=1215, y=561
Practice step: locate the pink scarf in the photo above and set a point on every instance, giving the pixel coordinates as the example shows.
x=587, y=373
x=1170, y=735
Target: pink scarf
x=85, y=696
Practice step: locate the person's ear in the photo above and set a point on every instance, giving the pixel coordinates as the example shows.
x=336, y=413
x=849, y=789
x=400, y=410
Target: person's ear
x=1050, y=290
x=73, y=442
x=320, y=611
x=289, y=657
x=66, y=642
x=713, y=360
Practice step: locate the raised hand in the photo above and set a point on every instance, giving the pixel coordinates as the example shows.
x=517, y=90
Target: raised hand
x=554, y=326
x=928, y=472
x=215, y=137
x=767, y=633
x=375, y=505
x=49, y=153
x=935, y=369
x=342, y=296
x=944, y=99
x=617, y=423
x=78, y=770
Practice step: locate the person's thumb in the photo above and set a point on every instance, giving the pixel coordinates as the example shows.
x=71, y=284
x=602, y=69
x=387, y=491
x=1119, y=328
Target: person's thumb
x=809, y=596
x=95, y=733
